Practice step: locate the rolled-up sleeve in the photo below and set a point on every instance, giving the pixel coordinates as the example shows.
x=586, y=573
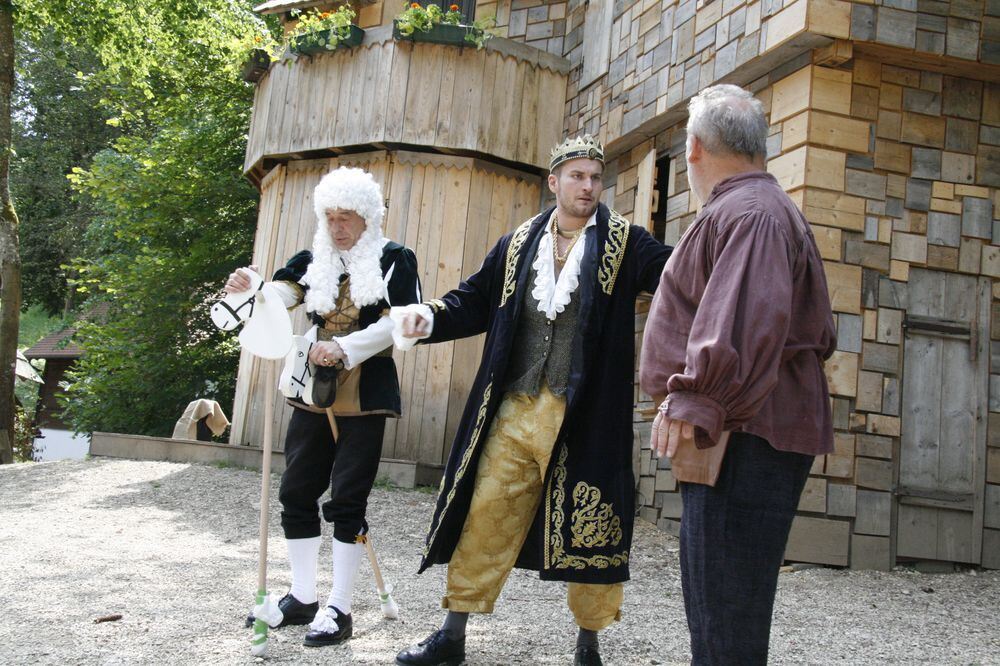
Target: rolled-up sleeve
x=739, y=330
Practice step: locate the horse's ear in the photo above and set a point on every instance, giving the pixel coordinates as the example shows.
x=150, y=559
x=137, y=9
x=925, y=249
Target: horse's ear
x=236, y=308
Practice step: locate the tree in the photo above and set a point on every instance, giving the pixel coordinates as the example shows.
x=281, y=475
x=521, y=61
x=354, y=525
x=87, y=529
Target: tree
x=10, y=261
x=58, y=125
x=172, y=229
x=172, y=214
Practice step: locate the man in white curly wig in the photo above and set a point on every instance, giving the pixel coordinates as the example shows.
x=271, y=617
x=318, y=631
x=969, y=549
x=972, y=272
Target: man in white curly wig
x=348, y=281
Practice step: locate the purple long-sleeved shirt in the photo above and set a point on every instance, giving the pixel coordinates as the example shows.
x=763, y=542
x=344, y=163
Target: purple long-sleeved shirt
x=741, y=323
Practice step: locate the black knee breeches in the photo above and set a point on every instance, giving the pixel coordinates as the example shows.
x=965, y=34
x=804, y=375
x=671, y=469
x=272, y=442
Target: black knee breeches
x=314, y=462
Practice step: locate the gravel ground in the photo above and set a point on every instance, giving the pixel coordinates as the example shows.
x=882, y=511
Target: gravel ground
x=172, y=548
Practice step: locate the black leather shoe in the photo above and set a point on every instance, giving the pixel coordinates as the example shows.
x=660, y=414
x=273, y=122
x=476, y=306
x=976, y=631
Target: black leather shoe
x=438, y=649
x=331, y=635
x=587, y=655
x=294, y=611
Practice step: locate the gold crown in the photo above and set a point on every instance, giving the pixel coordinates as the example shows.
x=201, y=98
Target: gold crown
x=571, y=149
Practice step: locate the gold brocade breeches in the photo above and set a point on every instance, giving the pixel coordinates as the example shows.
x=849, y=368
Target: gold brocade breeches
x=508, y=490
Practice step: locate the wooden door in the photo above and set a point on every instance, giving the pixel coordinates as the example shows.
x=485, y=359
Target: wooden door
x=944, y=413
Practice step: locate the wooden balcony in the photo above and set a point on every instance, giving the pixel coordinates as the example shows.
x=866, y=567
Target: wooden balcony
x=504, y=102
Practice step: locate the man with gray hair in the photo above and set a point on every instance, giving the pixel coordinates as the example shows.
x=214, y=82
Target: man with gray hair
x=735, y=343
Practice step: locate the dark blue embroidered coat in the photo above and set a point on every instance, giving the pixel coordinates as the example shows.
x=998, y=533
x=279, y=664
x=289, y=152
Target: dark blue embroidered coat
x=583, y=528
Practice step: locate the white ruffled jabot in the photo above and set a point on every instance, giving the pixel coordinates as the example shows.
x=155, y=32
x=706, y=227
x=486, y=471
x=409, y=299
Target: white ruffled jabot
x=554, y=295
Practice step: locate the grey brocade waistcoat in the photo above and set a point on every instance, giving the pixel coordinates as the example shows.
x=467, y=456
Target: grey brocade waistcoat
x=542, y=348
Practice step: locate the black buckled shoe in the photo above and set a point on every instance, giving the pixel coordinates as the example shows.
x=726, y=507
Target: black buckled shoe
x=330, y=628
x=587, y=655
x=438, y=649
x=294, y=611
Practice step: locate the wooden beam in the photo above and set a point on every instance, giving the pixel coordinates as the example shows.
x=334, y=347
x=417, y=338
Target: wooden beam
x=642, y=213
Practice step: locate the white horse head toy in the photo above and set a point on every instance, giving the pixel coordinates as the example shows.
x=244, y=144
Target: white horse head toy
x=297, y=372
x=267, y=328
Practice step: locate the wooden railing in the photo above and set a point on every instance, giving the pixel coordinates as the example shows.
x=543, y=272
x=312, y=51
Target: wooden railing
x=503, y=102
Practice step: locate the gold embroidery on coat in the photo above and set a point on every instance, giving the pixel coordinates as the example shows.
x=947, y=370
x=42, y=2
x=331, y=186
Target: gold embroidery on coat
x=510, y=269
x=554, y=520
x=614, y=250
x=466, y=457
x=594, y=522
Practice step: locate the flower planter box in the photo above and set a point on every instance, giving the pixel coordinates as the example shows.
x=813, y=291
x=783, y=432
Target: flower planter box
x=319, y=42
x=256, y=66
x=441, y=33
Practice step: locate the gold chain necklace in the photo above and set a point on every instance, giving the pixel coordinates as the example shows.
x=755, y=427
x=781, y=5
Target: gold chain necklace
x=556, y=232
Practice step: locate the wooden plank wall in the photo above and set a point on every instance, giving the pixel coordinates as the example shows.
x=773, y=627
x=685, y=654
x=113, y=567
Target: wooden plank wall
x=450, y=211
x=430, y=95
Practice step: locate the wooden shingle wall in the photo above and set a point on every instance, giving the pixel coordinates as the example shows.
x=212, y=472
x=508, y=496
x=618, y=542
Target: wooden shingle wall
x=894, y=168
x=662, y=53
x=537, y=23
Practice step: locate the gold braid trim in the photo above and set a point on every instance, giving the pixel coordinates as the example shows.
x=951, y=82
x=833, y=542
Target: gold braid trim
x=436, y=305
x=555, y=552
x=594, y=522
x=510, y=268
x=614, y=250
x=466, y=457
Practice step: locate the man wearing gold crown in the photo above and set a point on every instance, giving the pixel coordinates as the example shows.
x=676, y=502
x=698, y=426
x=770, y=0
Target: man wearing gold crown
x=540, y=473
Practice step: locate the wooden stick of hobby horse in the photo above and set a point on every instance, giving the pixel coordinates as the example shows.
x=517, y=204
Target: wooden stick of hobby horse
x=265, y=484
x=259, y=645
x=333, y=424
x=389, y=608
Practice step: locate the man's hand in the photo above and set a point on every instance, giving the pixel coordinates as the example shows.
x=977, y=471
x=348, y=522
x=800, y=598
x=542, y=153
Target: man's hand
x=668, y=433
x=414, y=326
x=239, y=281
x=327, y=353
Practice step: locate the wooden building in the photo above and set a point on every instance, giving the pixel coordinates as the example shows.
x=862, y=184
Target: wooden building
x=56, y=439
x=885, y=129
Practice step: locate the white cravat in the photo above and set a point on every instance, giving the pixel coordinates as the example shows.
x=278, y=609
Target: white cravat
x=553, y=295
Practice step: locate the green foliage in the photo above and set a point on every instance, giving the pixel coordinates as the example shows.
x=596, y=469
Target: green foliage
x=24, y=437
x=169, y=213
x=318, y=30
x=57, y=124
x=158, y=55
x=419, y=18
x=176, y=216
x=35, y=324
x=385, y=483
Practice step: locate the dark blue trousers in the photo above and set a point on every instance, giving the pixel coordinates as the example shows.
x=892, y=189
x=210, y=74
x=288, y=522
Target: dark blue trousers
x=733, y=540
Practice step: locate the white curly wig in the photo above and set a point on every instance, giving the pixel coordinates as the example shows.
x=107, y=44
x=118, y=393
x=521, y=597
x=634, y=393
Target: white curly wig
x=349, y=189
